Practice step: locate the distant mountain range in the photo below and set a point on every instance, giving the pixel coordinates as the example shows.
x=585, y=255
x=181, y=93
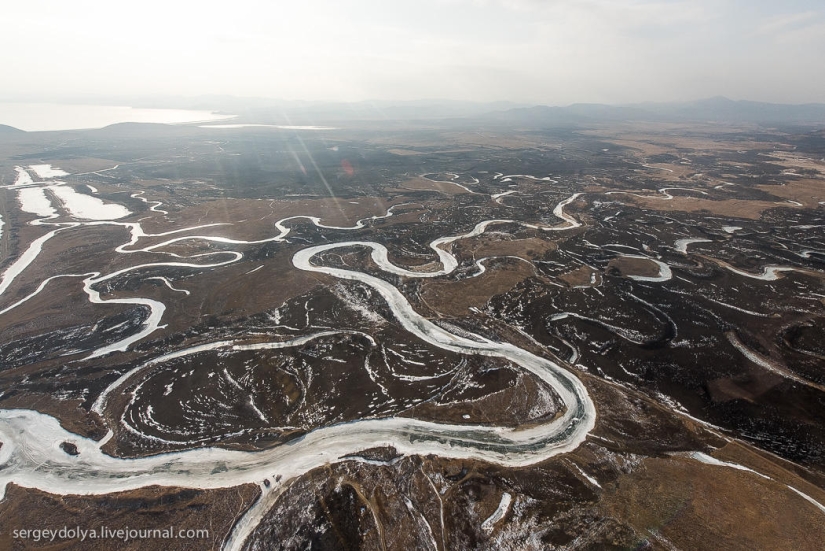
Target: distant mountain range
x=6, y=130
x=269, y=111
x=717, y=109
x=300, y=112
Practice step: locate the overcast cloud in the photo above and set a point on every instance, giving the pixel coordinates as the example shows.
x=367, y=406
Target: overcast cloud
x=552, y=52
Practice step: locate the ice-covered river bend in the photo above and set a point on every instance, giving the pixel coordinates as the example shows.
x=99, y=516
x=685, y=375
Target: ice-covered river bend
x=31, y=455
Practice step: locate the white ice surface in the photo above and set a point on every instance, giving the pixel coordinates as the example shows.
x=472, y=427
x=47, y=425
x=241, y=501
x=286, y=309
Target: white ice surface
x=86, y=207
x=47, y=171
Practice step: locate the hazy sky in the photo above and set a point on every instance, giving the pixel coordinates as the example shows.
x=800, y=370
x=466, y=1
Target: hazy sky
x=551, y=52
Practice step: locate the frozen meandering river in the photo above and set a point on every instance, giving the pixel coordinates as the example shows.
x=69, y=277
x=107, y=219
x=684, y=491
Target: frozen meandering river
x=31, y=455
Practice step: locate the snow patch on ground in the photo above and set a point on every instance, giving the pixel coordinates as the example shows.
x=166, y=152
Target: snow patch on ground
x=23, y=177
x=47, y=171
x=87, y=207
x=33, y=200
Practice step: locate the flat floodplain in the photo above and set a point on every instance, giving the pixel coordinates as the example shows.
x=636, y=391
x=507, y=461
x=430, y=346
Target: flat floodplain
x=429, y=337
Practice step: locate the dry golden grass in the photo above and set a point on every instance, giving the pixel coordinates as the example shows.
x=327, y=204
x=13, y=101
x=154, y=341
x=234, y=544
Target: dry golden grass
x=709, y=507
x=488, y=244
x=676, y=138
x=670, y=172
x=809, y=192
x=781, y=470
x=738, y=208
x=454, y=298
x=243, y=292
x=254, y=219
x=792, y=160
x=61, y=305
x=644, y=146
x=457, y=142
x=634, y=266
x=423, y=184
x=509, y=407
x=583, y=275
